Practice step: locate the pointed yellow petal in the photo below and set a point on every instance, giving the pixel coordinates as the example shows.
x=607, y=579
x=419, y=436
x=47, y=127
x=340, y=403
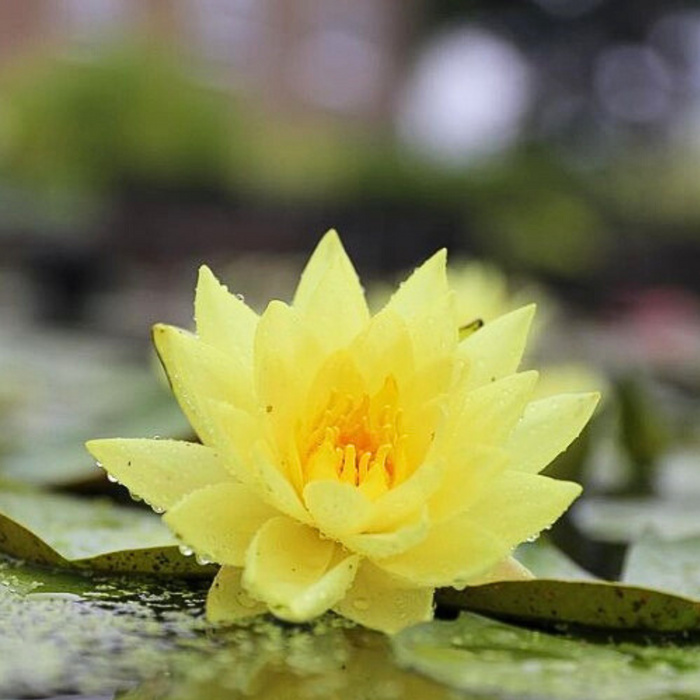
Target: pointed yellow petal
x=495, y=350
x=330, y=296
x=386, y=336
x=287, y=358
x=426, y=286
x=219, y=522
x=223, y=319
x=454, y=552
x=383, y=602
x=488, y=414
x=296, y=572
x=159, y=471
x=468, y=471
x=426, y=304
x=274, y=487
x=547, y=428
x=227, y=601
x=199, y=373
x=338, y=509
x=509, y=569
x=518, y=506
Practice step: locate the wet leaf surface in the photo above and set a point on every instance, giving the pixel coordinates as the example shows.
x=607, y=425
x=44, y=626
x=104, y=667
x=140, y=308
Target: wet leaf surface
x=485, y=658
x=66, y=531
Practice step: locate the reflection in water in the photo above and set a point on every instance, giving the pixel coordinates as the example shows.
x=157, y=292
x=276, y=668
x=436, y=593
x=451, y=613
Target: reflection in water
x=326, y=661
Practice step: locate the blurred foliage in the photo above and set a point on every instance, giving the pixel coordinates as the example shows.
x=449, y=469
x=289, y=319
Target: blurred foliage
x=129, y=116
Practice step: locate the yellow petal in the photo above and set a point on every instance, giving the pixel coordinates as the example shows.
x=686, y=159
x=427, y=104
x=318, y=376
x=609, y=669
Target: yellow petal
x=455, y=551
x=223, y=319
x=274, y=487
x=468, y=471
x=330, y=296
x=424, y=287
x=495, y=350
x=159, y=471
x=199, y=373
x=227, y=600
x=426, y=304
x=338, y=509
x=383, y=602
x=219, y=522
x=287, y=358
x=387, y=544
x=295, y=572
x=386, y=336
x=547, y=428
x=405, y=501
x=488, y=414
x=509, y=569
x=518, y=506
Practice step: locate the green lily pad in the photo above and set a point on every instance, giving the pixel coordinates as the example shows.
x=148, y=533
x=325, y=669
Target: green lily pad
x=491, y=659
x=65, y=531
x=63, y=390
x=590, y=603
x=667, y=565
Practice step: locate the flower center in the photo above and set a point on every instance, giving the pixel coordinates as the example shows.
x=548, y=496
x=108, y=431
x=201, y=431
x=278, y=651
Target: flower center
x=358, y=440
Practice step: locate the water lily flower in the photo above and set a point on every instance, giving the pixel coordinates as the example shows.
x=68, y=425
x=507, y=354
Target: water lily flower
x=351, y=462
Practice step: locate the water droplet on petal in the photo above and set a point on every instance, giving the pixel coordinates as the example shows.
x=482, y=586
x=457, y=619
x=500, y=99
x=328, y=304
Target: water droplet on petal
x=185, y=550
x=240, y=297
x=112, y=479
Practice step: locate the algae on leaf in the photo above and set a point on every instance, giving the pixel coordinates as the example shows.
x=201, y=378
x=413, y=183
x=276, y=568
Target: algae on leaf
x=66, y=531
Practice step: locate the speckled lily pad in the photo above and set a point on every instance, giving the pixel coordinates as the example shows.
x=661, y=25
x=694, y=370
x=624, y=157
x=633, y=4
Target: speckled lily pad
x=65, y=531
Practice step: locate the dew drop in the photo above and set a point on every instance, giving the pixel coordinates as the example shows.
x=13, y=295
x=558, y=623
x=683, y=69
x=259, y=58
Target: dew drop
x=99, y=465
x=158, y=509
x=135, y=497
x=240, y=297
x=202, y=560
x=112, y=479
x=185, y=550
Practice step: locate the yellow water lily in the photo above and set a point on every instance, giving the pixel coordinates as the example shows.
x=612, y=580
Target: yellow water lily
x=350, y=462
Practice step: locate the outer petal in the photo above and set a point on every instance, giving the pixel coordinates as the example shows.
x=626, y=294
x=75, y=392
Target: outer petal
x=509, y=569
x=519, y=506
x=488, y=414
x=454, y=552
x=469, y=470
x=296, y=572
x=547, y=428
x=227, y=600
x=330, y=296
x=426, y=304
x=220, y=521
x=495, y=350
x=383, y=602
x=199, y=373
x=159, y=471
x=223, y=319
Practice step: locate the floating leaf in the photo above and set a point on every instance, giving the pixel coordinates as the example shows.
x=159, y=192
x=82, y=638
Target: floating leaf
x=65, y=531
x=667, y=565
x=492, y=659
x=625, y=519
x=590, y=603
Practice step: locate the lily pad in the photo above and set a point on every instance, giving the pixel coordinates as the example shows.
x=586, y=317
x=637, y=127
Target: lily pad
x=626, y=519
x=491, y=659
x=667, y=565
x=590, y=603
x=65, y=531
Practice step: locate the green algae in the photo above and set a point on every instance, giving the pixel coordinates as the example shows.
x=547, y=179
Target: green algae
x=487, y=658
